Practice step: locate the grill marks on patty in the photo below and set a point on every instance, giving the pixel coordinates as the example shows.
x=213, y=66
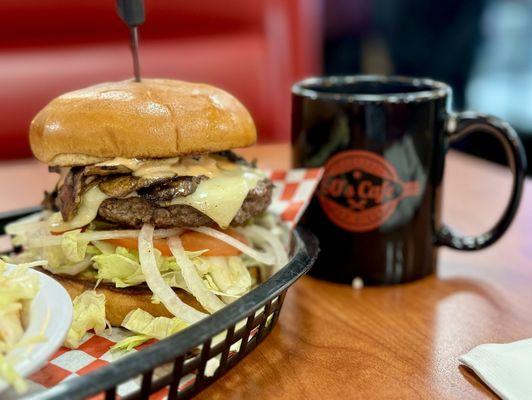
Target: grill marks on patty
x=153, y=196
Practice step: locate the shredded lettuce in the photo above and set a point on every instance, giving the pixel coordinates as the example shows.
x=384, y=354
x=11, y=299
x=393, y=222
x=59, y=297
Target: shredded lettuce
x=59, y=263
x=123, y=268
x=147, y=327
x=55, y=257
x=73, y=247
x=156, y=283
x=130, y=342
x=193, y=280
x=89, y=313
x=143, y=323
x=175, y=279
x=229, y=274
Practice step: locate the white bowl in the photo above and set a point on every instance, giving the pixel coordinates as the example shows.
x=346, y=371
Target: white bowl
x=50, y=316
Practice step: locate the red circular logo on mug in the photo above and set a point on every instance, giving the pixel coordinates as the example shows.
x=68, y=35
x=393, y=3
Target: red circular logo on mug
x=360, y=190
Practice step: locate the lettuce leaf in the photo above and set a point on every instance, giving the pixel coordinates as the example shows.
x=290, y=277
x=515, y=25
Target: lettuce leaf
x=55, y=257
x=89, y=313
x=73, y=247
x=130, y=342
x=123, y=268
x=208, y=300
x=147, y=327
x=58, y=263
x=143, y=323
x=175, y=279
x=229, y=274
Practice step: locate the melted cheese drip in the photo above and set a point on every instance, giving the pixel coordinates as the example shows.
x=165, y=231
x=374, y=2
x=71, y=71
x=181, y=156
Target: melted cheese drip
x=207, y=165
x=87, y=211
x=221, y=197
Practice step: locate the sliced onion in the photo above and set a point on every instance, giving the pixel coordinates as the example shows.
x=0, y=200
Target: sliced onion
x=17, y=227
x=262, y=236
x=37, y=263
x=91, y=236
x=104, y=247
x=164, y=233
x=262, y=257
x=73, y=269
x=156, y=283
x=208, y=300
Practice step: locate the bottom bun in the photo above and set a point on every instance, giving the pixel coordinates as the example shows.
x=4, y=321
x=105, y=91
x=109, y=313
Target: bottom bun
x=120, y=301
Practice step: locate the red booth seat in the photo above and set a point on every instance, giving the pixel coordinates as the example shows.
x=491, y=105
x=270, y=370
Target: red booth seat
x=254, y=49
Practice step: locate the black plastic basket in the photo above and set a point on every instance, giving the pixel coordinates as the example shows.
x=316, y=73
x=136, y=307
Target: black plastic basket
x=246, y=322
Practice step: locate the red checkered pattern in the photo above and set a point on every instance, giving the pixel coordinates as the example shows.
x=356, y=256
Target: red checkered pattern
x=292, y=193
x=93, y=353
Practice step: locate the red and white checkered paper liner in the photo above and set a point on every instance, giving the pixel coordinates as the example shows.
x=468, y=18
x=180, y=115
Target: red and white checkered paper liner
x=292, y=192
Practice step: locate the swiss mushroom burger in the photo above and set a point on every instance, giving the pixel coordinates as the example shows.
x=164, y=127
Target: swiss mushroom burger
x=152, y=208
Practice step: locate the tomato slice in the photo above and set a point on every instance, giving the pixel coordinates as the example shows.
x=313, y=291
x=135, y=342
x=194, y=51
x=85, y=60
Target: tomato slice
x=192, y=241
x=195, y=241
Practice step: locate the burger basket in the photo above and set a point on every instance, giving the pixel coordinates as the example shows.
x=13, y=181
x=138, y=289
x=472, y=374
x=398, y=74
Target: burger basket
x=226, y=336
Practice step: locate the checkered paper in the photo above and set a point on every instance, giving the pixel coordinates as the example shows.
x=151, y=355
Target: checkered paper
x=292, y=192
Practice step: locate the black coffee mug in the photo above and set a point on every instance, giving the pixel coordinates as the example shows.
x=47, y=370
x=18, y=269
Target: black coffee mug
x=382, y=141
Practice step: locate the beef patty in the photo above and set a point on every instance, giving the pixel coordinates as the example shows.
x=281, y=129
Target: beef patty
x=134, y=200
x=135, y=211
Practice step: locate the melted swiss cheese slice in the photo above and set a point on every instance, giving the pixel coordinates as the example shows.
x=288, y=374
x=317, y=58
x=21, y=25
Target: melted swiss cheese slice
x=221, y=197
x=87, y=211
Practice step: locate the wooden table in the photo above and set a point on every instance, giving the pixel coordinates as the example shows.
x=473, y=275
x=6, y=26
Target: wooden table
x=397, y=342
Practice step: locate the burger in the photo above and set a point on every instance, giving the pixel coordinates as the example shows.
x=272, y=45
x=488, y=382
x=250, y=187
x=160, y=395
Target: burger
x=153, y=210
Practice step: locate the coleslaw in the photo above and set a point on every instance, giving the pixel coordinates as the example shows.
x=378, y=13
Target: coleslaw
x=18, y=287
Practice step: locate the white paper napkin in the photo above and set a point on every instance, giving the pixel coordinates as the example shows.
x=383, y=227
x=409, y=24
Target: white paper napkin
x=505, y=368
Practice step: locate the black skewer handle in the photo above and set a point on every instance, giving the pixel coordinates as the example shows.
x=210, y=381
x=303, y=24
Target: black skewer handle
x=131, y=11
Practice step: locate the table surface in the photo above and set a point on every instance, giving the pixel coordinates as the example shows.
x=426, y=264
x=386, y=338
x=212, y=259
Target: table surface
x=403, y=341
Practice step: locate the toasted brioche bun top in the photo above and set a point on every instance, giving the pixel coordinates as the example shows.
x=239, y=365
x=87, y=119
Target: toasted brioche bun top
x=154, y=118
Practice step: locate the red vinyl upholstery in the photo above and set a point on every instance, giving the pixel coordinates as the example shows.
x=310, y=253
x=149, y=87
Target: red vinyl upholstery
x=254, y=49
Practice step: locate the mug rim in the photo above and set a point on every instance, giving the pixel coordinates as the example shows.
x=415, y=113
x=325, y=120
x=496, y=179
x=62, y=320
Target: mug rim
x=436, y=89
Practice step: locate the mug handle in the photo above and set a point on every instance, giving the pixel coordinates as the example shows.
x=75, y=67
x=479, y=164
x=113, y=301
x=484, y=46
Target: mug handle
x=462, y=124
